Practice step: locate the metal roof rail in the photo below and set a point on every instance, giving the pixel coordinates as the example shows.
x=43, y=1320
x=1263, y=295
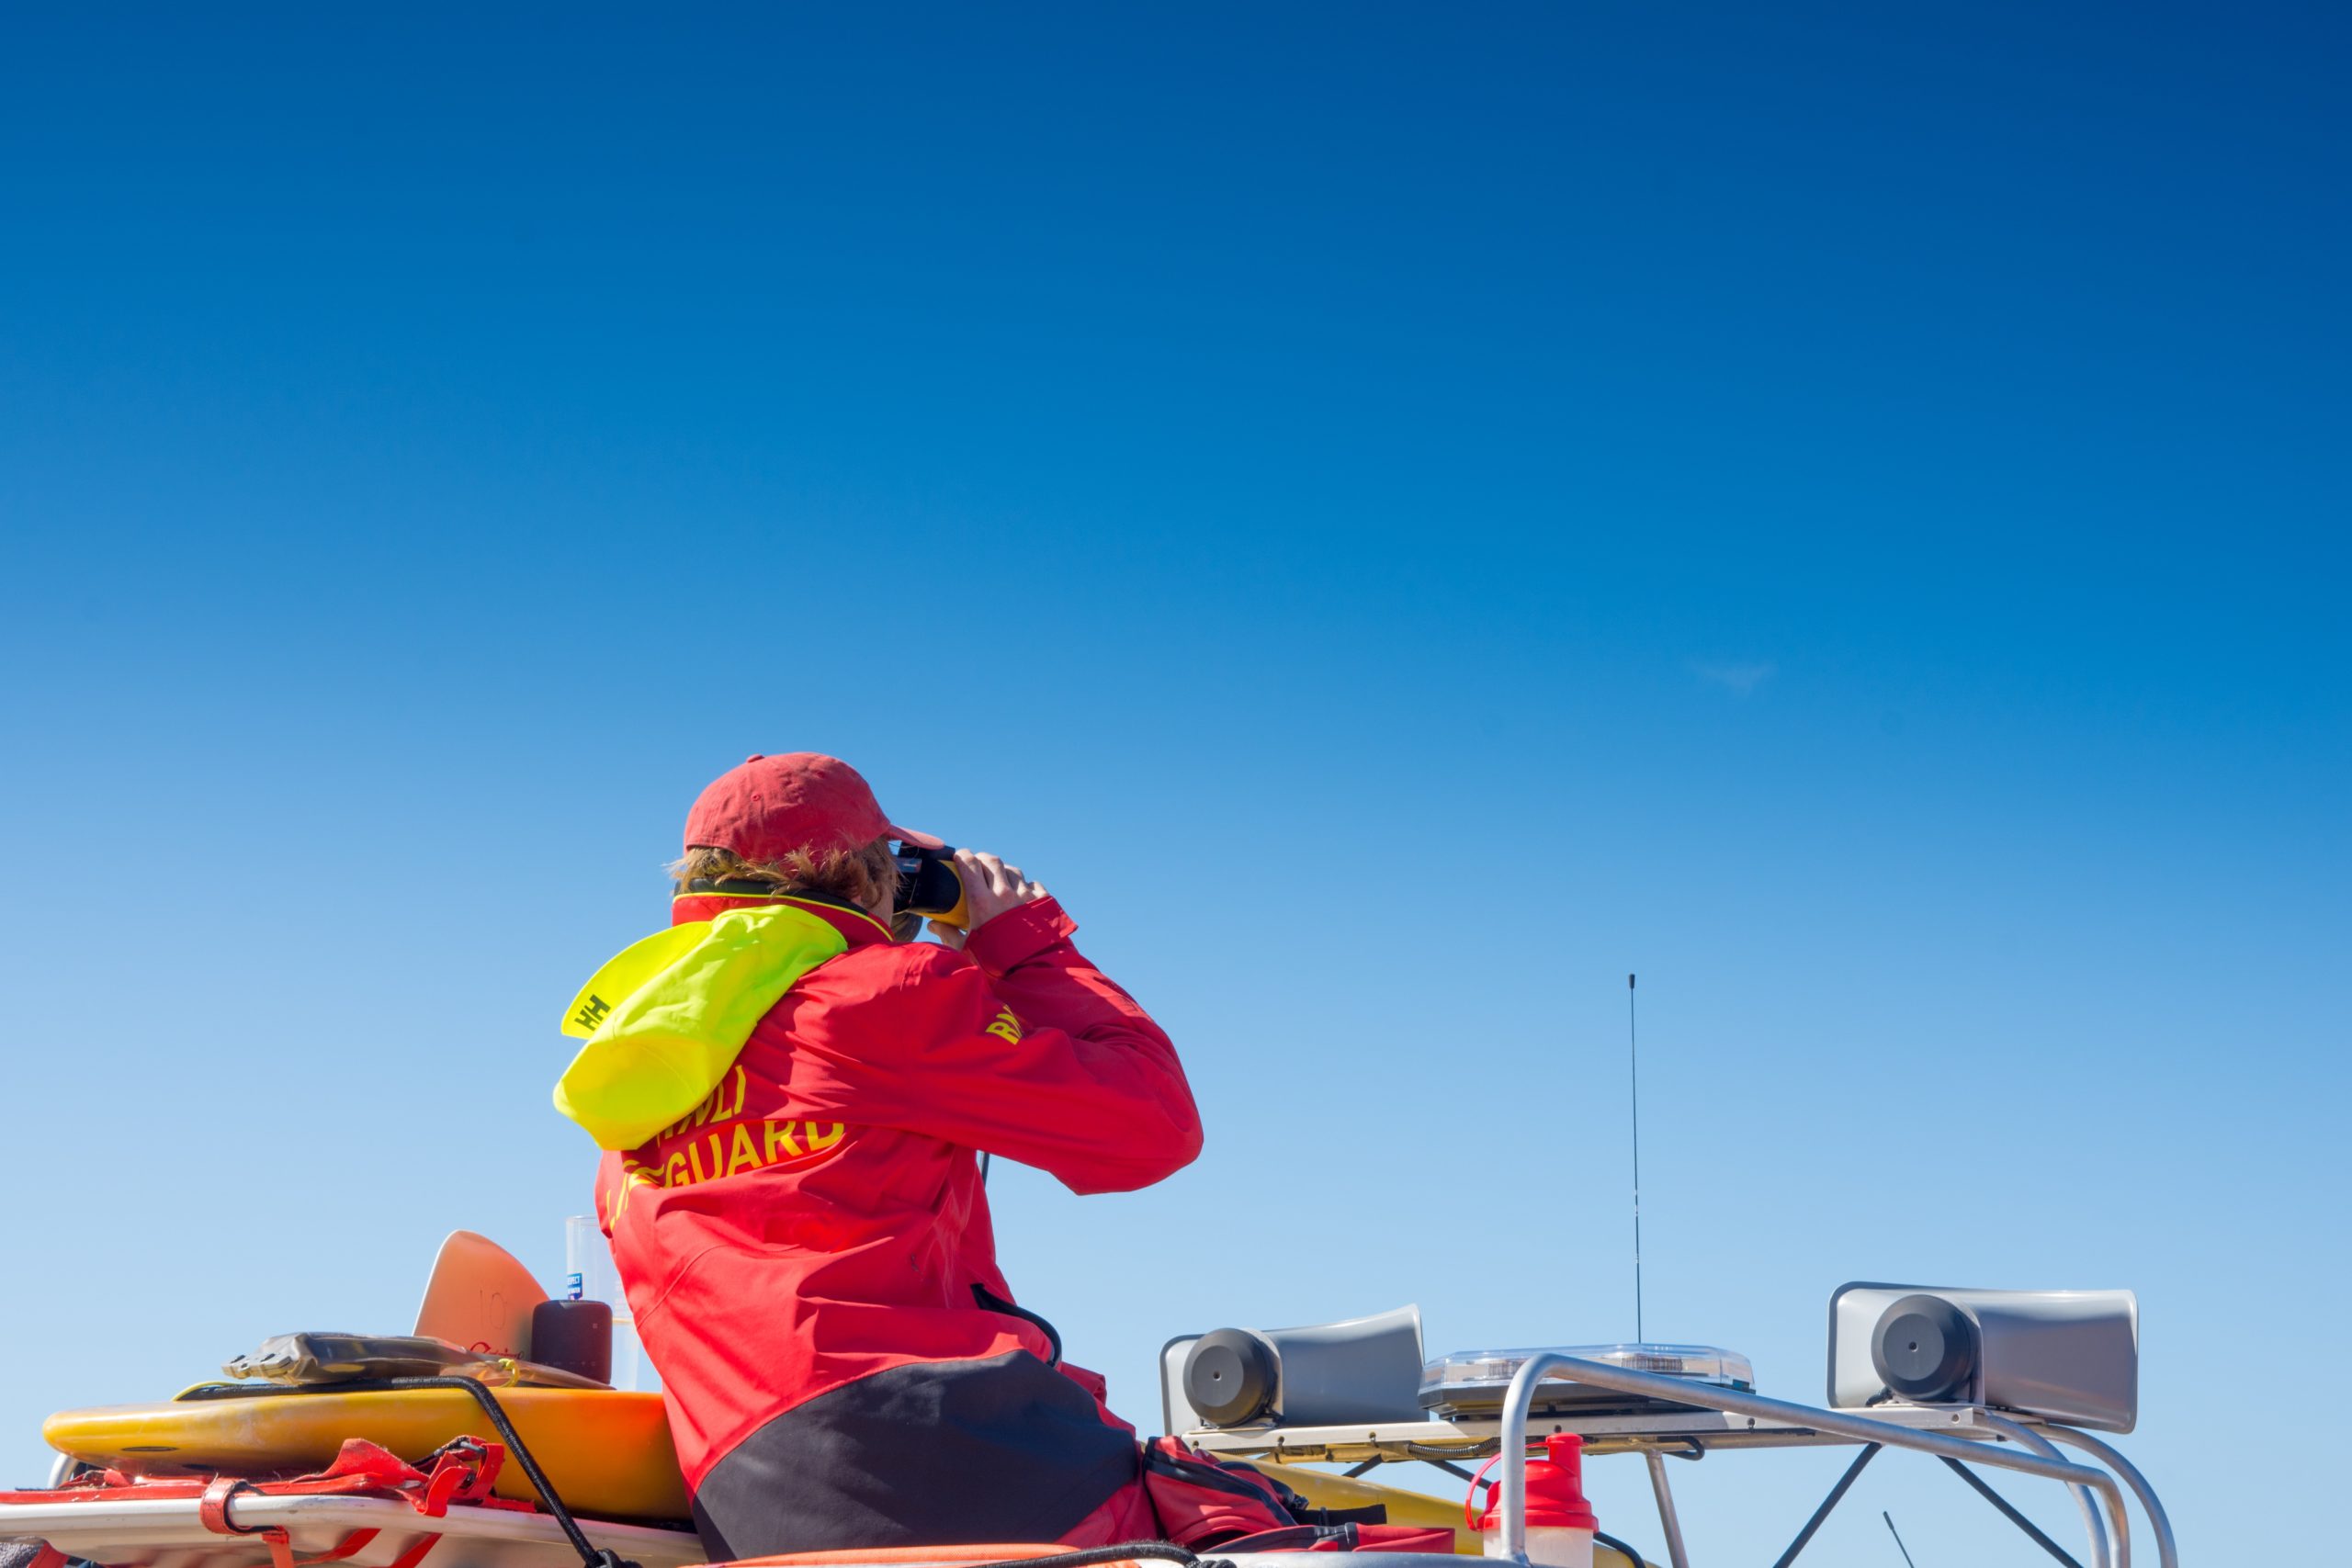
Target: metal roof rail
x=2040, y=1459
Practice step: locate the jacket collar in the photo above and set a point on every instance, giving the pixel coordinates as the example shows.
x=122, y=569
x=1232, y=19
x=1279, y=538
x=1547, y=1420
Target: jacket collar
x=857, y=927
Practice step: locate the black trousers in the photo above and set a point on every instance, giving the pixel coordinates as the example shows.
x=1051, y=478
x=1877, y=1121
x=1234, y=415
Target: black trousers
x=932, y=1453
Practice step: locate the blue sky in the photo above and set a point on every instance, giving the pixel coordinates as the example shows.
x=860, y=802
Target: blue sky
x=1401, y=516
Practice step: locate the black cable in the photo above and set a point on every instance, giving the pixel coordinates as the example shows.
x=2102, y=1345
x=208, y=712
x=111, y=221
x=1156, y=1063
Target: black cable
x=988, y=1301
x=592, y=1556
x=1613, y=1544
x=1156, y=1550
x=1442, y=1457
x=2008, y=1510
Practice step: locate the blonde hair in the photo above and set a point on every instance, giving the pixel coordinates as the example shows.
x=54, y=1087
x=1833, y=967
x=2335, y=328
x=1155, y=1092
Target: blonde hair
x=863, y=876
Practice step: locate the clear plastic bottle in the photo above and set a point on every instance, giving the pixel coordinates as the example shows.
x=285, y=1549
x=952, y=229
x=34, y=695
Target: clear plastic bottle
x=589, y=1275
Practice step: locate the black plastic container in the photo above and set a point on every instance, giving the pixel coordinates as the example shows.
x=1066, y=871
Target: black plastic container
x=574, y=1337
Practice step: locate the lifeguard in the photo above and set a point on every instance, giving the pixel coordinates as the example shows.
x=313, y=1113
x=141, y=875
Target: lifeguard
x=793, y=1101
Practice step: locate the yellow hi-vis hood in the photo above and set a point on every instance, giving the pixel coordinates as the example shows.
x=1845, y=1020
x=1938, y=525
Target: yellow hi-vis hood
x=664, y=1020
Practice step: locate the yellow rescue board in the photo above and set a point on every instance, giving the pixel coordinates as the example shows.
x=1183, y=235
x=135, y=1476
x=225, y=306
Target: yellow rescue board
x=608, y=1454
x=1325, y=1490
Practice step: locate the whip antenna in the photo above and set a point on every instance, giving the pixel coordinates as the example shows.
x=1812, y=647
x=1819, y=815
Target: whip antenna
x=1634, y=1071
x=1898, y=1538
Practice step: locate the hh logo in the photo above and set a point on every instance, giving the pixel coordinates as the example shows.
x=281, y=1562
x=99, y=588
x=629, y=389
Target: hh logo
x=1006, y=1028
x=591, y=1011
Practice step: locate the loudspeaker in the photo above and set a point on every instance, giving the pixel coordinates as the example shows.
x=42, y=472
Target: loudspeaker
x=1331, y=1374
x=2070, y=1356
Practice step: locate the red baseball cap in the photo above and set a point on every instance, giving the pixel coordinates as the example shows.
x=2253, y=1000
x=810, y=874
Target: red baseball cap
x=804, y=800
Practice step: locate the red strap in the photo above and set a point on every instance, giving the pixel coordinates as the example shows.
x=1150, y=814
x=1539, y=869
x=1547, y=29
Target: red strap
x=415, y=1554
x=212, y=1508
x=377, y=1465
x=448, y=1477
x=352, y=1544
x=463, y=1470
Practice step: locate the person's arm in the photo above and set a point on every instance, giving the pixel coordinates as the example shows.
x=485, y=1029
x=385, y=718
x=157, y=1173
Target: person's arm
x=1020, y=1047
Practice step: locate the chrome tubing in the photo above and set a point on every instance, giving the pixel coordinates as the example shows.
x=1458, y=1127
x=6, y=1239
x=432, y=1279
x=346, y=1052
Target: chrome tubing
x=1521, y=1400
x=2167, y=1554
x=2027, y=1438
x=1668, y=1520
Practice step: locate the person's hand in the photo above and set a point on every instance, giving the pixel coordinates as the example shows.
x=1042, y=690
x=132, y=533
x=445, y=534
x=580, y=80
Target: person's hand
x=990, y=888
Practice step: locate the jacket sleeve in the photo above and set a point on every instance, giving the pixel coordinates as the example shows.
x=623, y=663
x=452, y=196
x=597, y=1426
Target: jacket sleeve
x=1019, y=1048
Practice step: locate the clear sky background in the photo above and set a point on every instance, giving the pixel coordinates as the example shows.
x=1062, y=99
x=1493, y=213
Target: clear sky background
x=1399, y=515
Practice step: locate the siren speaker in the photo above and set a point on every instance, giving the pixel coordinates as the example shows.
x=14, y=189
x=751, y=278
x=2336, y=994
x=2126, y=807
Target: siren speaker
x=2070, y=1356
x=1329, y=1374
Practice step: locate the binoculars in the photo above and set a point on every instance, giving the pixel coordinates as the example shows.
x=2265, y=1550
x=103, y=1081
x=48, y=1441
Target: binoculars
x=929, y=886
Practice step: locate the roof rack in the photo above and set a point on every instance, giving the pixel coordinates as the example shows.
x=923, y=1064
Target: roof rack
x=1708, y=1417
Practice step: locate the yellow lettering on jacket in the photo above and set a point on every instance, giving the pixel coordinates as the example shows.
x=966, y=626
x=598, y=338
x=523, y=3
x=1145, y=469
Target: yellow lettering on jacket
x=633, y=1175
x=730, y=1150
x=1006, y=1026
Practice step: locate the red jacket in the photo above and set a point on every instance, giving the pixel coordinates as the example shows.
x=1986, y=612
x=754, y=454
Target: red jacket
x=808, y=1254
